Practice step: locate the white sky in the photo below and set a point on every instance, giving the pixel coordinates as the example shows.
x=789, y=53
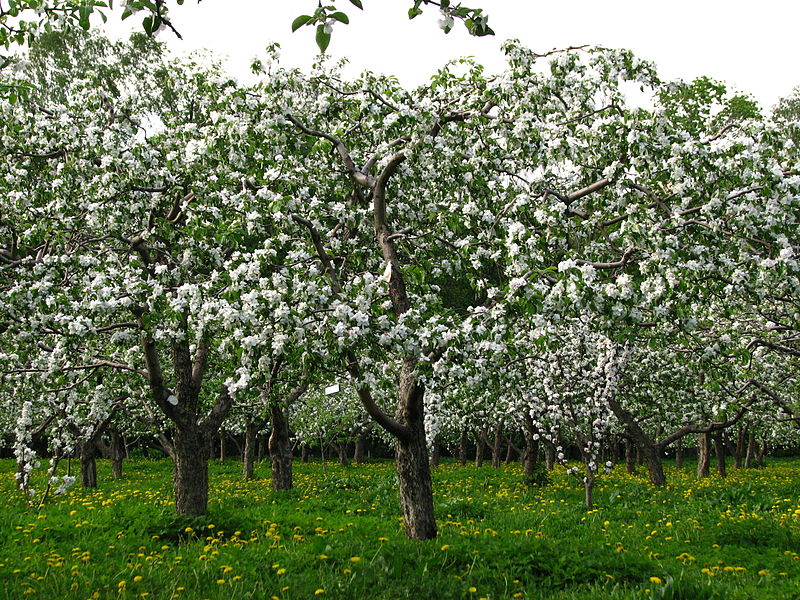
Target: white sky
x=752, y=46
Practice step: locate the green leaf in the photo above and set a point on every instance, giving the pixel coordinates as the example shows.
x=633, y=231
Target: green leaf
x=83, y=16
x=300, y=21
x=323, y=39
x=357, y=4
x=341, y=17
x=414, y=12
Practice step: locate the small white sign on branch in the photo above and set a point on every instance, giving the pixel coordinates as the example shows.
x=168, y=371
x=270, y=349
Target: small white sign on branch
x=331, y=389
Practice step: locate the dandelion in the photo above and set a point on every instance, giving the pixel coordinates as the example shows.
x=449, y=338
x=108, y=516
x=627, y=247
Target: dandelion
x=319, y=592
x=137, y=579
x=355, y=559
x=472, y=590
x=656, y=580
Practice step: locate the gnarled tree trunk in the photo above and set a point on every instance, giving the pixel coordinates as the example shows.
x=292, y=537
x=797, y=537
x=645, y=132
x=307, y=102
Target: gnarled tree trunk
x=87, y=453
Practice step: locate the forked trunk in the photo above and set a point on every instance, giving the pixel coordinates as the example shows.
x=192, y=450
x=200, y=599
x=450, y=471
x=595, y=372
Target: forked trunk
x=190, y=471
x=280, y=450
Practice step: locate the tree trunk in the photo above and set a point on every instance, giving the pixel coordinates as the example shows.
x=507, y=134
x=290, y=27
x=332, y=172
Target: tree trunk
x=221, y=447
x=479, y=448
x=462, y=447
x=655, y=468
x=280, y=451
x=703, y=458
x=509, y=452
x=361, y=444
x=304, y=453
x=751, y=451
x=740, y=447
x=549, y=455
x=719, y=452
x=435, y=454
x=498, y=438
x=762, y=454
x=588, y=485
x=630, y=457
x=87, y=454
x=416, y=489
x=341, y=450
x=679, y=454
x=250, y=442
x=117, y=454
x=190, y=471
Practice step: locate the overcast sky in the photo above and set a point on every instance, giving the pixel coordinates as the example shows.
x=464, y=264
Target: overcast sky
x=752, y=46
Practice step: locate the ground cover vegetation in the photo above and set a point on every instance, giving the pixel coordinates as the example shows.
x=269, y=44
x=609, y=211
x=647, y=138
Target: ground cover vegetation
x=573, y=263
x=339, y=534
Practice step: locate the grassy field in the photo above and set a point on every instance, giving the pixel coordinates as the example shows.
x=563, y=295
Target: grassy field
x=338, y=535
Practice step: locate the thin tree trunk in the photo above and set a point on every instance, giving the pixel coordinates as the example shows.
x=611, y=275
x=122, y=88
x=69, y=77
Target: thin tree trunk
x=762, y=454
x=509, y=452
x=462, y=447
x=221, y=447
x=117, y=454
x=588, y=485
x=250, y=442
x=304, y=453
x=549, y=455
x=280, y=450
x=703, y=455
x=749, y=459
x=679, y=454
x=498, y=438
x=479, y=448
x=740, y=447
x=719, y=452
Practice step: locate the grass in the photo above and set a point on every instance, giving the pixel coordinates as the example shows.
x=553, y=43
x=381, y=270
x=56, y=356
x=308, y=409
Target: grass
x=338, y=534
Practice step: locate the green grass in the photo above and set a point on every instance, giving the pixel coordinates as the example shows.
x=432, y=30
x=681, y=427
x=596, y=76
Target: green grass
x=339, y=531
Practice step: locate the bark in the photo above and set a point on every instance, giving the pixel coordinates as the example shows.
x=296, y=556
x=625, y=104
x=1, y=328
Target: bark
x=509, y=452
x=679, y=454
x=190, y=471
x=761, y=454
x=248, y=458
x=530, y=454
x=416, y=488
x=719, y=452
x=117, y=454
x=740, y=447
x=749, y=459
x=703, y=455
x=549, y=455
x=655, y=468
x=88, y=454
x=341, y=450
x=304, y=453
x=630, y=457
x=361, y=444
x=221, y=447
x=280, y=451
x=498, y=438
x=435, y=454
x=479, y=448
x=462, y=447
